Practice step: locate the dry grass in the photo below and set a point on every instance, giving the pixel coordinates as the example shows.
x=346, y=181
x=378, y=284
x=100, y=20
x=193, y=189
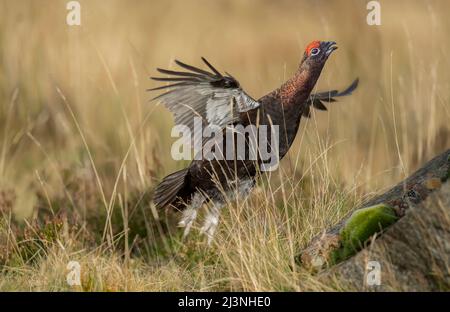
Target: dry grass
x=81, y=148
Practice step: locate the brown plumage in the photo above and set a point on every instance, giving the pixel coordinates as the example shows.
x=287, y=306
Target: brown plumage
x=202, y=93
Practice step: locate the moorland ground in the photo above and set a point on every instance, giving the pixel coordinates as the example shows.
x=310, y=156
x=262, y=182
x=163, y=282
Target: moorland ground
x=81, y=148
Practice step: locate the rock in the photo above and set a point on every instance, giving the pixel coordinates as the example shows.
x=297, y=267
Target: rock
x=412, y=255
x=373, y=217
x=318, y=255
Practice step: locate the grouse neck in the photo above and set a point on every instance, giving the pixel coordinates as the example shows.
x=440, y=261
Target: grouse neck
x=295, y=92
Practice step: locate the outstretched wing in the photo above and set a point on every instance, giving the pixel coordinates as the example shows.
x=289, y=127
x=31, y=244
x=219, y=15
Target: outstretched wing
x=317, y=100
x=214, y=98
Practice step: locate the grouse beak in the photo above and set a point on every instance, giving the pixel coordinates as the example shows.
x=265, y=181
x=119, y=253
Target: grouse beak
x=329, y=47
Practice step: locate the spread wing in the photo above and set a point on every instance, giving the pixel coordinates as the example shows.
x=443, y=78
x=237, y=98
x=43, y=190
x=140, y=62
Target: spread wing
x=214, y=98
x=317, y=100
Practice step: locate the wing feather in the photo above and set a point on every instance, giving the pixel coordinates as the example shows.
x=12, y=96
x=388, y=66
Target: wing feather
x=214, y=98
x=317, y=100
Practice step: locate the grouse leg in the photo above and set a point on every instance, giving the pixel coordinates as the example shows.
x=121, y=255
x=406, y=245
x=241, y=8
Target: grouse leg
x=190, y=213
x=212, y=220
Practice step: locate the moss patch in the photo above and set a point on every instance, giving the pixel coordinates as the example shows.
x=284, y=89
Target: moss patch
x=362, y=225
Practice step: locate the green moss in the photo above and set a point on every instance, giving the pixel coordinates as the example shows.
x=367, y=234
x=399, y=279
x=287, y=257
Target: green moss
x=362, y=225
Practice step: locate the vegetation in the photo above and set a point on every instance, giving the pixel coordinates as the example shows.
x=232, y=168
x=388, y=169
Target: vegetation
x=360, y=227
x=81, y=148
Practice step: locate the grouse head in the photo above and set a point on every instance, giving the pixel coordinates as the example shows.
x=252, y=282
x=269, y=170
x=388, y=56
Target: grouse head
x=316, y=54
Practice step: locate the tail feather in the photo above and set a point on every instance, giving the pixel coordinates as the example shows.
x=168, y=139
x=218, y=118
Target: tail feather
x=167, y=191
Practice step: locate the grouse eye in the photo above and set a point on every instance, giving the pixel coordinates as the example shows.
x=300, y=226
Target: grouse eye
x=314, y=51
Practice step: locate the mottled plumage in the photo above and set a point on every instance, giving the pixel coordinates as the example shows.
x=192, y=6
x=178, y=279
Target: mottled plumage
x=220, y=101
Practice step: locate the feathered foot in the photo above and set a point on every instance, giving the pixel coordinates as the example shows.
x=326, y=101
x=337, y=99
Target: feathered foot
x=212, y=220
x=190, y=213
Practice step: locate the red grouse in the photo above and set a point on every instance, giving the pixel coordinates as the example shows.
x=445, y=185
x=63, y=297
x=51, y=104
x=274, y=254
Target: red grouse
x=221, y=103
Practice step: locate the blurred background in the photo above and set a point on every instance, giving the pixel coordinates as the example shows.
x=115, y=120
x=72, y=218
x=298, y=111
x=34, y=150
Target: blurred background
x=74, y=96
x=81, y=146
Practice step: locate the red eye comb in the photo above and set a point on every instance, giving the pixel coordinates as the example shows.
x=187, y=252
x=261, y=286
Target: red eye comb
x=312, y=45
